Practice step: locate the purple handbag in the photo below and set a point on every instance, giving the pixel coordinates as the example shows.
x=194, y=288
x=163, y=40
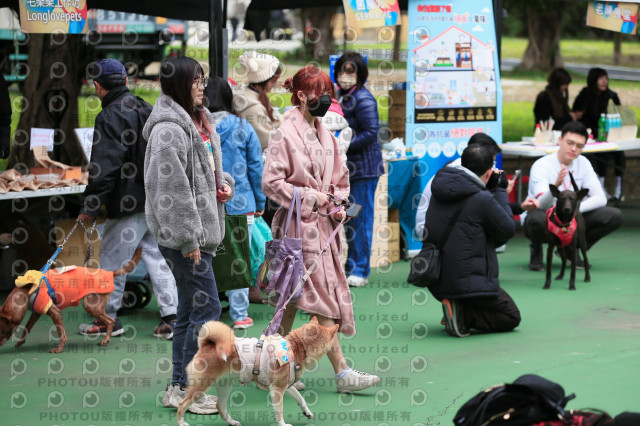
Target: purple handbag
x=283, y=266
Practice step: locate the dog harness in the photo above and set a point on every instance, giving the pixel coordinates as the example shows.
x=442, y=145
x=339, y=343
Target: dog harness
x=564, y=231
x=64, y=287
x=257, y=364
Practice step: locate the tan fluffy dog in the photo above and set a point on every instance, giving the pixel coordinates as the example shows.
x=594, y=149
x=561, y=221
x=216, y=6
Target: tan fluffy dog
x=94, y=302
x=220, y=355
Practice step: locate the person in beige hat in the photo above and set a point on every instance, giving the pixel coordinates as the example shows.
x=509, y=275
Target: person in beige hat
x=252, y=103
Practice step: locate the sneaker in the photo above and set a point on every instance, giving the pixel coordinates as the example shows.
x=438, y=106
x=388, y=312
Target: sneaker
x=501, y=249
x=99, y=328
x=205, y=405
x=245, y=323
x=355, y=381
x=298, y=385
x=454, y=319
x=164, y=330
x=356, y=281
x=535, y=260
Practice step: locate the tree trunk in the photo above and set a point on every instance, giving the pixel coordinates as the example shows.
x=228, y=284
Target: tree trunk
x=50, y=100
x=321, y=33
x=617, y=48
x=396, y=43
x=544, y=26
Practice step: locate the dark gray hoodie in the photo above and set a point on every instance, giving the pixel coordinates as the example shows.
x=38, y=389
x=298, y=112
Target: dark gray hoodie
x=182, y=208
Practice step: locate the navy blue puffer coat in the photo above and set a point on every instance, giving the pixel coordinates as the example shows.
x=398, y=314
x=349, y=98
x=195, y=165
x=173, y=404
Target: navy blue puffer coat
x=469, y=261
x=363, y=156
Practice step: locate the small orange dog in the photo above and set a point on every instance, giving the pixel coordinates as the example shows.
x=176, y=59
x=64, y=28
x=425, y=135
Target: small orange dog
x=92, y=286
x=220, y=354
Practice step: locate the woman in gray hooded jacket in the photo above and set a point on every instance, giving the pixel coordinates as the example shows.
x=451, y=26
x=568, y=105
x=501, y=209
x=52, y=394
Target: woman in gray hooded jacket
x=185, y=194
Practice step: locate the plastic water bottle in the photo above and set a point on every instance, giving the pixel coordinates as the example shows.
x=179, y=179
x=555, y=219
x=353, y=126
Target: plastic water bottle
x=602, y=128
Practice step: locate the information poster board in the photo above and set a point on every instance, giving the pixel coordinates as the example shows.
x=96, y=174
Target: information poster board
x=53, y=16
x=616, y=16
x=453, y=78
x=372, y=13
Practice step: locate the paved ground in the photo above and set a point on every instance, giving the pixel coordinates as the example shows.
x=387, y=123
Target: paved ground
x=586, y=340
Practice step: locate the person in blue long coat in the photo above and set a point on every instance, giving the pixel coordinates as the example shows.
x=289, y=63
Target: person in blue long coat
x=242, y=159
x=364, y=159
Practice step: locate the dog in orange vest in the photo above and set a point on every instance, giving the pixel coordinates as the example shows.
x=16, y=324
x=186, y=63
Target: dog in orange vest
x=70, y=285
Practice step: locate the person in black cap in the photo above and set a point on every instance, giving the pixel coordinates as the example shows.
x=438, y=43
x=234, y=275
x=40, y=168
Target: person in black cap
x=116, y=180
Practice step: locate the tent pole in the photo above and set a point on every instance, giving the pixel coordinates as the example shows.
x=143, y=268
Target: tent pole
x=218, y=43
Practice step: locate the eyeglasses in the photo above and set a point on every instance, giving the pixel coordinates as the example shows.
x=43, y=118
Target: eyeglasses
x=571, y=144
x=200, y=83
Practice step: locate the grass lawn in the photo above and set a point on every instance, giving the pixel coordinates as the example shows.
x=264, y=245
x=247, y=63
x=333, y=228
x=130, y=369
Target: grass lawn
x=580, y=51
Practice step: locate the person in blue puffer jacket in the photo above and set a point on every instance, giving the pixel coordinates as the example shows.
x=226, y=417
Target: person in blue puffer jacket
x=242, y=159
x=363, y=158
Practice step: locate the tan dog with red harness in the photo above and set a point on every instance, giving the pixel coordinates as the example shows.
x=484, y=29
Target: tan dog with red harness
x=66, y=287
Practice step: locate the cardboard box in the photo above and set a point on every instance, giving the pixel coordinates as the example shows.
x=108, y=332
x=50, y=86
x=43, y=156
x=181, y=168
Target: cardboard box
x=394, y=216
x=393, y=245
x=76, y=247
x=398, y=97
x=62, y=174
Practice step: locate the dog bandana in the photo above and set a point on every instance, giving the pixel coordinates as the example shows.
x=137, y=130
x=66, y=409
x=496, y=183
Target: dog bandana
x=563, y=232
x=70, y=285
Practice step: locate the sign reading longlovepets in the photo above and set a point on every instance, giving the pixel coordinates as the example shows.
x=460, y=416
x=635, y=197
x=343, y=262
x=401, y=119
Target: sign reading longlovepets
x=453, y=78
x=53, y=16
x=371, y=13
x=619, y=16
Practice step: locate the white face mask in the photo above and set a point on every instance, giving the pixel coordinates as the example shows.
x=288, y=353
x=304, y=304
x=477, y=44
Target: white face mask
x=347, y=81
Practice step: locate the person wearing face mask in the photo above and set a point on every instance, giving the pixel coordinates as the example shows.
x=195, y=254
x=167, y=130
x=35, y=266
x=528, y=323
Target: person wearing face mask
x=592, y=101
x=303, y=153
x=364, y=159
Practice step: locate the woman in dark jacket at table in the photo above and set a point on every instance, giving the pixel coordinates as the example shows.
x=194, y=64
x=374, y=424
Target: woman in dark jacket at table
x=363, y=158
x=592, y=101
x=554, y=100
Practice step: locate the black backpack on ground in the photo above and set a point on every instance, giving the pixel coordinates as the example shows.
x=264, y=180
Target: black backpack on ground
x=528, y=400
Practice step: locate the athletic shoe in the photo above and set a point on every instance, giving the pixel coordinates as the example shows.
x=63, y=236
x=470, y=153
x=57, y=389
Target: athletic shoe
x=206, y=404
x=298, y=385
x=501, y=249
x=356, y=281
x=164, y=330
x=355, y=381
x=245, y=323
x=454, y=319
x=99, y=328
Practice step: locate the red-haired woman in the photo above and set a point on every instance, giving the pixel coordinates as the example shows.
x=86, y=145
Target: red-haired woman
x=303, y=153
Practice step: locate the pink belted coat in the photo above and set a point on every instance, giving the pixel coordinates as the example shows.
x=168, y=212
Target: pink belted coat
x=296, y=156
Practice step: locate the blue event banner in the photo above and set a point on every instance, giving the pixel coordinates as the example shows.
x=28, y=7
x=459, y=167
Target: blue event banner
x=453, y=78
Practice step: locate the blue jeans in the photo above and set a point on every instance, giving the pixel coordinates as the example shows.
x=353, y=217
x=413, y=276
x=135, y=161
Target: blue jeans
x=239, y=299
x=362, y=192
x=120, y=239
x=198, y=303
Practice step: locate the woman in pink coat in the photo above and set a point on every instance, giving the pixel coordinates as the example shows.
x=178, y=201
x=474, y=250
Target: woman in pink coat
x=303, y=153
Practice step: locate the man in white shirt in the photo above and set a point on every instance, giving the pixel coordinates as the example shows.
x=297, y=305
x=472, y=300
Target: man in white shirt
x=554, y=168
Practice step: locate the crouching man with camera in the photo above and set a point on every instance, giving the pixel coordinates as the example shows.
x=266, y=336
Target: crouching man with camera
x=473, y=198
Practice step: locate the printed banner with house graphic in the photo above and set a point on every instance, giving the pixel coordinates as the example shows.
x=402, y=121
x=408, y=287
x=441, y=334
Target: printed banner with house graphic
x=453, y=77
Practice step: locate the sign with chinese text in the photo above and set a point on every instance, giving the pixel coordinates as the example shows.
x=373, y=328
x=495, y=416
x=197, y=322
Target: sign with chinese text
x=53, y=16
x=616, y=16
x=453, y=78
x=372, y=13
